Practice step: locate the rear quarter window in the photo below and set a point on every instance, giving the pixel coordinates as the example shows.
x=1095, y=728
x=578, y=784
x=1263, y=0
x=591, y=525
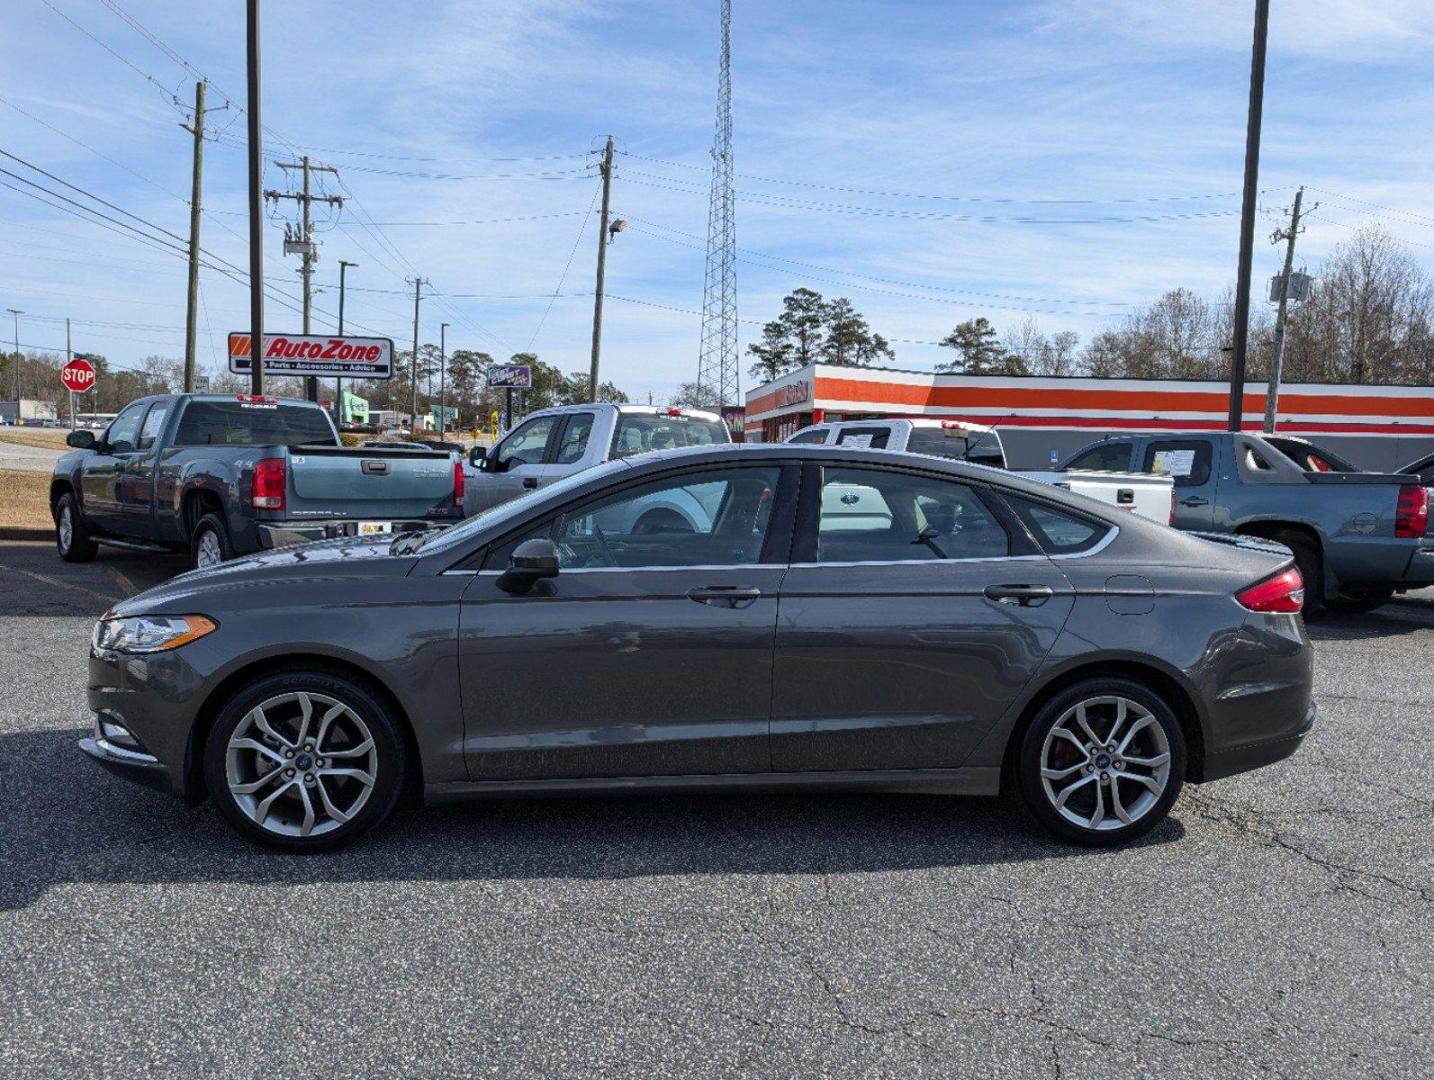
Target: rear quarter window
x=1058, y=531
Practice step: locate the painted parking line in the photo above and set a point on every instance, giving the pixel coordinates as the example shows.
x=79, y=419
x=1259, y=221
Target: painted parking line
x=58, y=583
x=125, y=583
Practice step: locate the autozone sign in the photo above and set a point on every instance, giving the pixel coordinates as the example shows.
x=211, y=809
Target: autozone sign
x=309, y=354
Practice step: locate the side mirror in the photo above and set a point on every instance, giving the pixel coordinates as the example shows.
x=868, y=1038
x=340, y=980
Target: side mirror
x=478, y=458
x=532, y=561
x=81, y=440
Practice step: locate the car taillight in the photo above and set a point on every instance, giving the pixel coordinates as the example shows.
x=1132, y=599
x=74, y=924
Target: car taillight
x=268, y=489
x=458, y=483
x=1283, y=592
x=1411, y=512
x=1172, y=507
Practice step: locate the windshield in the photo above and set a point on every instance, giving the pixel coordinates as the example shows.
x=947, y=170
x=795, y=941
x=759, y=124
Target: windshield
x=637, y=433
x=496, y=515
x=253, y=423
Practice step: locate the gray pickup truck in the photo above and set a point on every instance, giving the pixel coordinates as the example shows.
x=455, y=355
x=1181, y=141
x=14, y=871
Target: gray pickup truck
x=1357, y=537
x=220, y=475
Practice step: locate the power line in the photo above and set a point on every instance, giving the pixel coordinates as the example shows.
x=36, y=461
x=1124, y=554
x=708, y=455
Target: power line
x=563, y=277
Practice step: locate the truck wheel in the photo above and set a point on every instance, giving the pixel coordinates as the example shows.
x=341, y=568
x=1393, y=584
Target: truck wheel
x=72, y=536
x=1311, y=568
x=209, y=544
x=1359, y=603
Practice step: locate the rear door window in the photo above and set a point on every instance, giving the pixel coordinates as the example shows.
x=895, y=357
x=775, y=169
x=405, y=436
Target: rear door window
x=874, y=515
x=574, y=442
x=1185, y=461
x=1106, y=457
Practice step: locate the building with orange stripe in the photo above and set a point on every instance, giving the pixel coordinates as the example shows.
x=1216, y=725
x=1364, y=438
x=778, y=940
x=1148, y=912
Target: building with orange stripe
x=1044, y=419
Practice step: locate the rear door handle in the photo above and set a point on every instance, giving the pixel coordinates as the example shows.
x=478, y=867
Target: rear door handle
x=1194, y=500
x=530, y=482
x=732, y=596
x=1022, y=595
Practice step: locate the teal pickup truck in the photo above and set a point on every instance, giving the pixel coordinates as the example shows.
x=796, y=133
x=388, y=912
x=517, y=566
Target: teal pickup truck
x=219, y=475
x=1357, y=537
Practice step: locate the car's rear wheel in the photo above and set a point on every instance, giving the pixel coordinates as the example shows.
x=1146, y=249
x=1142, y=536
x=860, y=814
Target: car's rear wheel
x=305, y=761
x=72, y=536
x=1102, y=762
x=1311, y=568
x=209, y=543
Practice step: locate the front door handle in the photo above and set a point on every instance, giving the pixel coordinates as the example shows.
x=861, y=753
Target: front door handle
x=1194, y=500
x=530, y=482
x=731, y=596
x=1022, y=595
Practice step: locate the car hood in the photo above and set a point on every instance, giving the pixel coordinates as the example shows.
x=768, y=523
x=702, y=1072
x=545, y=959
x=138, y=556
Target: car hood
x=323, y=558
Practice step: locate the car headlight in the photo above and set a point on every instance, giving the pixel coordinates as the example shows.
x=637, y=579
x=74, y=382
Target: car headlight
x=150, y=633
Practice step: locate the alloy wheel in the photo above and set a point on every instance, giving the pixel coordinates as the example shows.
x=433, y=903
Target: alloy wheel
x=209, y=553
x=1105, y=763
x=301, y=764
x=66, y=528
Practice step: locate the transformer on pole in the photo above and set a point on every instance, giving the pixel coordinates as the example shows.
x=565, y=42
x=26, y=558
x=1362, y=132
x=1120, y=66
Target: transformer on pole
x=717, y=378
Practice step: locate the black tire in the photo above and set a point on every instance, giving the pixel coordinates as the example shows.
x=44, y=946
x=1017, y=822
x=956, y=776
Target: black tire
x=1311, y=567
x=388, y=761
x=1146, y=812
x=72, y=535
x=1359, y=603
x=210, y=534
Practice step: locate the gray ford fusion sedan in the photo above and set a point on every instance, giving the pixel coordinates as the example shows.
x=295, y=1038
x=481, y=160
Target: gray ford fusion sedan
x=737, y=617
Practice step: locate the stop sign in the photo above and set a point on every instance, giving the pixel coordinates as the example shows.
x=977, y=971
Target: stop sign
x=78, y=376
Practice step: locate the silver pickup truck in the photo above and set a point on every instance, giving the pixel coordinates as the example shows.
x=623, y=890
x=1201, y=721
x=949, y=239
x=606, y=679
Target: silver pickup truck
x=550, y=444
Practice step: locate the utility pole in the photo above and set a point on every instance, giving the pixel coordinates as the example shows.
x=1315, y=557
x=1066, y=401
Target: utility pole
x=1277, y=362
x=256, y=209
x=191, y=315
x=18, y=384
x=303, y=244
x=1247, y=213
x=413, y=360
x=69, y=355
x=443, y=378
x=344, y=264
x=601, y=268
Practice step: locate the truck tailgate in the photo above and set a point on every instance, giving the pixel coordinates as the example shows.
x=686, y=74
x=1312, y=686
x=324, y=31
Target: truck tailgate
x=368, y=483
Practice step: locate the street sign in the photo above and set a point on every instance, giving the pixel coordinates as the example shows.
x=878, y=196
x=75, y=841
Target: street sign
x=511, y=376
x=78, y=376
x=325, y=357
x=201, y=384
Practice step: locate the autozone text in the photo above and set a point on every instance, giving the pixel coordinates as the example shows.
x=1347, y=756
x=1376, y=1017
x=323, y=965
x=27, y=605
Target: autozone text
x=336, y=349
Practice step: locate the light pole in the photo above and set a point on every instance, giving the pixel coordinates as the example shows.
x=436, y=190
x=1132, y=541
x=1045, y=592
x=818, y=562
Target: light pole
x=344, y=264
x=442, y=379
x=17, y=313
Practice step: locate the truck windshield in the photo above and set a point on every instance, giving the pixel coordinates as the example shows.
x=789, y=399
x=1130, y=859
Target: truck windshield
x=637, y=433
x=244, y=423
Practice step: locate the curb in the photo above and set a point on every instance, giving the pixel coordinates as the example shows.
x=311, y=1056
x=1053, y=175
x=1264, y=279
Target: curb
x=20, y=532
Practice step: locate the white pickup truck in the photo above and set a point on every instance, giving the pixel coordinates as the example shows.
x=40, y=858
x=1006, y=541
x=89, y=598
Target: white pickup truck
x=1149, y=496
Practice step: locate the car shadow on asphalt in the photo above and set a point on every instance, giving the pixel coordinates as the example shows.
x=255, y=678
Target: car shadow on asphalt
x=82, y=825
x=1394, y=619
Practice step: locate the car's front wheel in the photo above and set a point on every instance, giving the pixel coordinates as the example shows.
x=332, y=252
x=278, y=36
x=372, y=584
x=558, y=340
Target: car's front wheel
x=1102, y=762
x=305, y=761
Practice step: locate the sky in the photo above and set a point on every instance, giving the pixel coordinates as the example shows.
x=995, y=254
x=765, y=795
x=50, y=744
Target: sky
x=932, y=161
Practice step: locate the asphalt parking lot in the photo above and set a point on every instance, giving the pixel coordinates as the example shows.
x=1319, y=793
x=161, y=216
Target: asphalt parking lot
x=1279, y=924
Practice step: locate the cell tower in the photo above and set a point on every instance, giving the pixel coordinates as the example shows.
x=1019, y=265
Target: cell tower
x=717, y=364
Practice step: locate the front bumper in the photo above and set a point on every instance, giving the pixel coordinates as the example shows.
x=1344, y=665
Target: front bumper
x=288, y=533
x=124, y=755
